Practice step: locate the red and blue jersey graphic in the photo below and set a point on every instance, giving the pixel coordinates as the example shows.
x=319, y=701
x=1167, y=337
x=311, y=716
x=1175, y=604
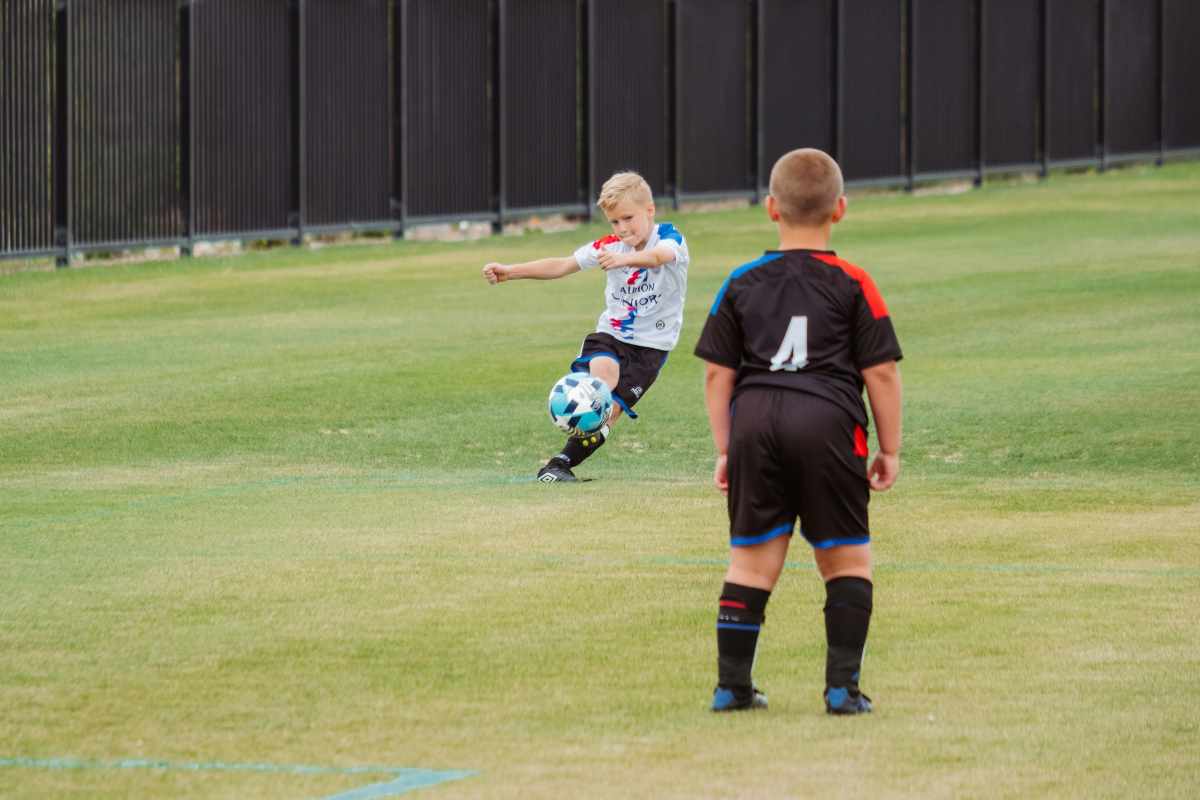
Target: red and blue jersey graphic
x=624, y=325
x=643, y=304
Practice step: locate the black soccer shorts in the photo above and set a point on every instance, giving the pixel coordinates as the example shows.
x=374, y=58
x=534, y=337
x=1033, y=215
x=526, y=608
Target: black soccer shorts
x=639, y=366
x=793, y=454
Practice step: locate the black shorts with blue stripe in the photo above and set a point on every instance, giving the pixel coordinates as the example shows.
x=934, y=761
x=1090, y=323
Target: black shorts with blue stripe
x=639, y=366
x=794, y=455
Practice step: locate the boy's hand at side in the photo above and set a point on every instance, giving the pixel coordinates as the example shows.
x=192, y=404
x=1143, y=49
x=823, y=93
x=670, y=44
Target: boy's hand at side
x=884, y=390
x=720, y=474
x=718, y=393
x=884, y=470
x=495, y=273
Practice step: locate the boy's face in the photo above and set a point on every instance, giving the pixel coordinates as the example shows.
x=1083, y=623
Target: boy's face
x=631, y=222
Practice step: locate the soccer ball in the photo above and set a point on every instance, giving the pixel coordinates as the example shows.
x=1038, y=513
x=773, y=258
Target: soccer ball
x=580, y=404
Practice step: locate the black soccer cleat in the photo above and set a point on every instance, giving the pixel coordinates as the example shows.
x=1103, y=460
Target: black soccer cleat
x=726, y=699
x=555, y=471
x=841, y=701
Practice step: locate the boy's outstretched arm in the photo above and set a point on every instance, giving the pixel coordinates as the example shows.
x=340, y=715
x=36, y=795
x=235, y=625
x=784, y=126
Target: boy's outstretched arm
x=542, y=270
x=718, y=392
x=662, y=254
x=884, y=391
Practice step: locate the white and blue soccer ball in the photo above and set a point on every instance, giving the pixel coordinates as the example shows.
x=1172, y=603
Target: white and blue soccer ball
x=580, y=404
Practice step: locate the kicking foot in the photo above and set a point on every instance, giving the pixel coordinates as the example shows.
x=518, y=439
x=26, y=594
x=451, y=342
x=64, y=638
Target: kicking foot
x=555, y=471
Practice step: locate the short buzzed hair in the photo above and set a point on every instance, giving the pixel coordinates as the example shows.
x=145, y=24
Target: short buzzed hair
x=624, y=185
x=806, y=185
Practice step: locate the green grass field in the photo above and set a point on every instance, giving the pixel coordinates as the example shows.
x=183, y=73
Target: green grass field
x=268, y=519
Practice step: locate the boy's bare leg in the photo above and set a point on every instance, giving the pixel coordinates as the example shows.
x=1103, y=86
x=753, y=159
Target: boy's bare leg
x=758, y=565
x=609, y=371
x=845, y=561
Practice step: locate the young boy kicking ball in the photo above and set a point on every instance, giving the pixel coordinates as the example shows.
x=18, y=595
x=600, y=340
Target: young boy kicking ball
x=646, y=280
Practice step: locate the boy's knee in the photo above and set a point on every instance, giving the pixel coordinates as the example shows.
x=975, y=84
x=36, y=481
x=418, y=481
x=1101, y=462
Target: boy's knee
x=844, y=561
x=607, y=370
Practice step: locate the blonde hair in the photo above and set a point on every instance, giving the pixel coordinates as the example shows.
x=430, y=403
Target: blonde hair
x=806, y=185
x=624, y=185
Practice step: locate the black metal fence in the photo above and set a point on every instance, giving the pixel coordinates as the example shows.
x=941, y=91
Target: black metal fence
x=128, y=123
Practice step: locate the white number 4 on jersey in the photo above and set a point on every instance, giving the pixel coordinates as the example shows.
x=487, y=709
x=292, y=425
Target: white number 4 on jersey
x=793, y=350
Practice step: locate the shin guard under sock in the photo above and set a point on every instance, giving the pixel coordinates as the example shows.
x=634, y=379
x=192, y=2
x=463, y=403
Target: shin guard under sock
x=847, y=616
x=739, y=617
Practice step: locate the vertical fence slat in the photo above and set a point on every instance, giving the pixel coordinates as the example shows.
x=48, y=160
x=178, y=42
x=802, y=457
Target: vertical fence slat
x=1181, y=70
x=346, y=114
x=539, y=134
x=26, y=108
x=1012, y=82
x=945, y=87
x=714, y=140
x=872, y=130
x=1131, y=78
x=629, y=32
x=798, y=40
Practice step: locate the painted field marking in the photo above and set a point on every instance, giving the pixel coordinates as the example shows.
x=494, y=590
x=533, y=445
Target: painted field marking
x=942, y=567
x=404, y=779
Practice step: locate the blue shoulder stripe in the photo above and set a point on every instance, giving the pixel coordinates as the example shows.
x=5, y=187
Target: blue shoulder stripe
x=668, y=231
x=766, y=258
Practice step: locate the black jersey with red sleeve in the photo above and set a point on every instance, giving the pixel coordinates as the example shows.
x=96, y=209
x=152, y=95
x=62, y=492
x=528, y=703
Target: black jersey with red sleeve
x=804, y=320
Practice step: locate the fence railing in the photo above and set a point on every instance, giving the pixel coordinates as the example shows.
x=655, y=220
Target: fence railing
x=127, y=123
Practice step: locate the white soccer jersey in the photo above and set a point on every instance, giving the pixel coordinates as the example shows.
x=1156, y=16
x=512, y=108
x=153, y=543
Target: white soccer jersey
x=644, y=305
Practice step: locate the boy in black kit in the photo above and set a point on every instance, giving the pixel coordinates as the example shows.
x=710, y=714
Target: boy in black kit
x=790, y=341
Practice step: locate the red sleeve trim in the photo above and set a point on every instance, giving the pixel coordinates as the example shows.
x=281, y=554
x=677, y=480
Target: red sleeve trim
x=869, y=289
x=612, y=238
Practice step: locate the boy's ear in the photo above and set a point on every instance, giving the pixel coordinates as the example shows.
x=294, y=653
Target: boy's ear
x=772, y=208
x=839, y=210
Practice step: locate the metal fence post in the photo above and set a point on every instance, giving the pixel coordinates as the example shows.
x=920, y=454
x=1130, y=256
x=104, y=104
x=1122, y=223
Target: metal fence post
x=1102, y=127
x=1162, y=83
x=1045, y=109
x=676, y=69
x=62, y=137
x=760, y=116
x=839, y=80
x=909, y=35
x=592, y=90
x=187, y=110
x=980, y=88
x=299, y=125
x=400, y=115
x=500, y=113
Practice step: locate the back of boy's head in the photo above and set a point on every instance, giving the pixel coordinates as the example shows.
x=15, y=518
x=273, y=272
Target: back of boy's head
x=624, y=186
x=806, y=185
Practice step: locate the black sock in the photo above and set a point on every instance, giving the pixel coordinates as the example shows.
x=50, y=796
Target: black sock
x=578, y=448
x=847, y=617
x=739, y=617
